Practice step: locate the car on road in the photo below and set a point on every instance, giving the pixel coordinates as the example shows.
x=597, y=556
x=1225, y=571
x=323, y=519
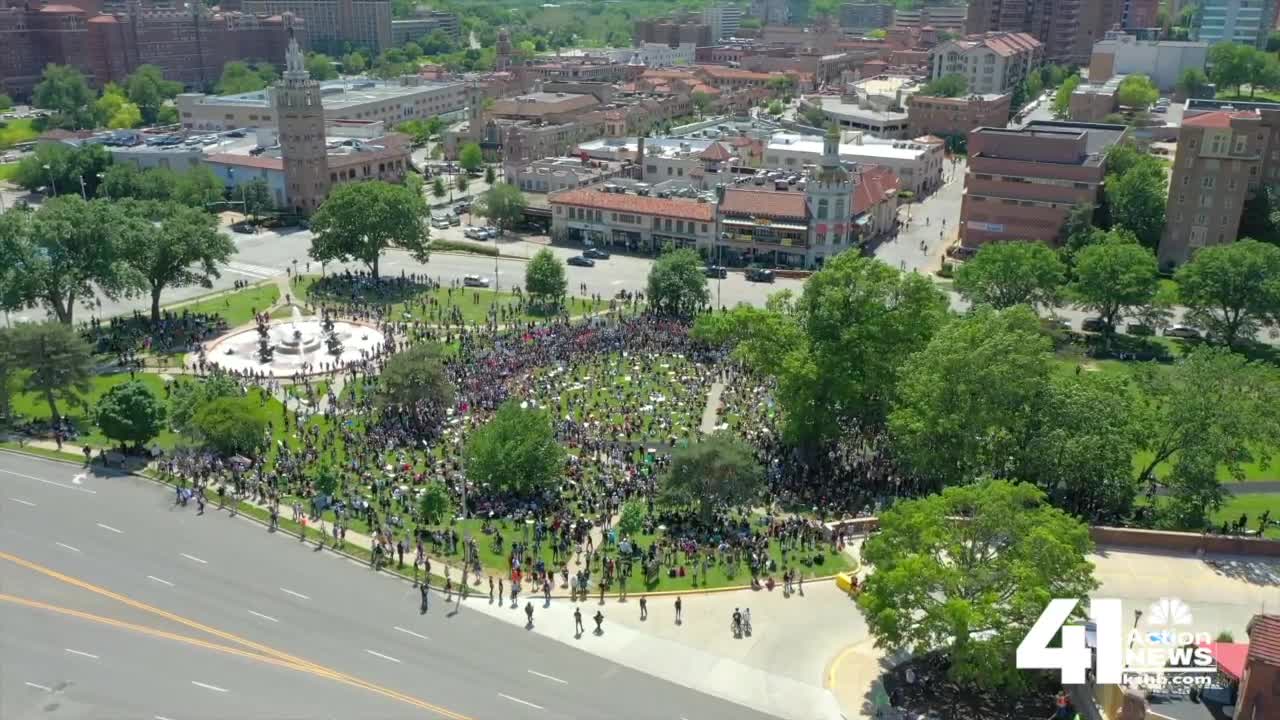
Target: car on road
x=439, y=223
x=475, y=233
x=462, y=207
x=596, y=254
x=1182, y=331
x=716, y=271
x=581, y=261
x=760, y=275
x=475, y=281
x=1093, y=324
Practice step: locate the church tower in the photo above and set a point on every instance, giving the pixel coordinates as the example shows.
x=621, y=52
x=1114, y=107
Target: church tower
x=829, y=194
x=502, y=58
x=300, y=115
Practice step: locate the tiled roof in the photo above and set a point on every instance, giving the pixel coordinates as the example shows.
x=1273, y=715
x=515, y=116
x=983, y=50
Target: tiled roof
x=715, y=152
x=874, y=184
x=767, y=203
x=1217, y=119
x=720, y=72
x=262, y=163
x=1264, y=639
x=639, y=204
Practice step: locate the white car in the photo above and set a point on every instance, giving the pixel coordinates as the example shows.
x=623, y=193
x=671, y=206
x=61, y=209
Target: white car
x=439, y=223
x=475, y=281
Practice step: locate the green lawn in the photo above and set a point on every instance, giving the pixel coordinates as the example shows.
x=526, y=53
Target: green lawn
x=1259, y=95
x=8, y=170
x=33, y=406
x=1253, y=505
x=237, y=307
x=17, y=131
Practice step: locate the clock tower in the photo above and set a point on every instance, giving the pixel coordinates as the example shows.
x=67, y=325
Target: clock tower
x=300, y=115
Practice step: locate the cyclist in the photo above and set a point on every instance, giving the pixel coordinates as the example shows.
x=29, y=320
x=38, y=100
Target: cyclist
x=737, y=622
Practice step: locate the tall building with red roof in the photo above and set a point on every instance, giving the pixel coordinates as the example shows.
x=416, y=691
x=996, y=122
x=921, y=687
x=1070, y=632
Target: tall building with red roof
x=1259, y=697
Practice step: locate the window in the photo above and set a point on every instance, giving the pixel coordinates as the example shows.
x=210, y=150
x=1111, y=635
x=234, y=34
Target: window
x=822, y=209
x=1239, y=144
x=1206, y=182
x=1186, y=180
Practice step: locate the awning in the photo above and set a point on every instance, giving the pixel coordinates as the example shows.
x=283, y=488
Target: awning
x=1230, y=657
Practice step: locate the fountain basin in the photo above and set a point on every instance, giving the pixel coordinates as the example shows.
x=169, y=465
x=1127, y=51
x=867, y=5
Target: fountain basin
x=298, y=344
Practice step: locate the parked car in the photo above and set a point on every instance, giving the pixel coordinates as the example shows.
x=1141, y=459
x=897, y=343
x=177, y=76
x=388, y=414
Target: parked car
x=1093, y=324
x=1140, y=329
x=1161, y=109
x=1182, y=331
x=760, y=275
x=716, y=271
x=475, y=233
x=581, y=261
x=462, y=207
x=439, y=223
x=475, y=281
x=596, y=253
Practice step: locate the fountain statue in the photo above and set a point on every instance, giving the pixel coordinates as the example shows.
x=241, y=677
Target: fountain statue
x=265, y=351
x=331, y=339
x=288, y=346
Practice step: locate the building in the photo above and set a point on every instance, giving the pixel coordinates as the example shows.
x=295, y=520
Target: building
x=1067, y=28
x=955, y=117
x=703, y=165
x=771, y=12
x=1094, y=101
x=189, y=46
x=947, y=18
x=723, y=20
x=1161, y=60
x=332, y=24
x=917, y=163
x=672, y=31
x=1218, y=159
x=299, y=111
x=1022, y=183
x=409, y=98
x=876, y=105
x=634, y=222
x=1260, y=687
x=425, y=23
x=1140, y=14
x=866, y=16
x=997, y=62
x=1240, y=21
x=550, y=175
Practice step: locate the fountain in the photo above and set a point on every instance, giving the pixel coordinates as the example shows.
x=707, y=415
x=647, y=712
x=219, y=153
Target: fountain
x=298, y=344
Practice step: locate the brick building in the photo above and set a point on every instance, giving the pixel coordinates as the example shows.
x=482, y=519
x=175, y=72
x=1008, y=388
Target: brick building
x=1068, y=28
x=333, y=23
x=673, y=31
x=996, y=62
x=955, y=117
x=1260, y=686
x=190, y=45
x=1021, y=183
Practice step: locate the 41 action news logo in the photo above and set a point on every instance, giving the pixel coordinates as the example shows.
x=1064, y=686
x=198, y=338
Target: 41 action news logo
x=1164, y=655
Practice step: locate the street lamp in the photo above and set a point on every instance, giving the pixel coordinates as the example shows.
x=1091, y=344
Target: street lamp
x=52, y=187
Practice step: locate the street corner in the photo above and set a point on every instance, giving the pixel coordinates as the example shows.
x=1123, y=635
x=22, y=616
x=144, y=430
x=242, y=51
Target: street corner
x=852, y=676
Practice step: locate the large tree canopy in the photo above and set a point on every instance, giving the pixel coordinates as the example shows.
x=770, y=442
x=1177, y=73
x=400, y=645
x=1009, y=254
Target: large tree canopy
x=544, y=279
x=1012, y=273
x=171, y=245
x=361, y=220
x=516, y=452
x=677, y=285
x=63, y=90
x=503, y=204
x=1116, y=279
x=415, y=379
x=1232, y=290
x=967, y=573
x=716, y=472
x=58, y=361
x=130, y=414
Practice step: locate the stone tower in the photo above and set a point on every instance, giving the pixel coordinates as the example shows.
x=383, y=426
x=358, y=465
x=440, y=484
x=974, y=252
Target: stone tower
x=301, y=126
x=502, y=60
x=829, y=194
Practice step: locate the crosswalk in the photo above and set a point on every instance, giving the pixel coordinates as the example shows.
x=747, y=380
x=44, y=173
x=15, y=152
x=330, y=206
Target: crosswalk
x=259, y=272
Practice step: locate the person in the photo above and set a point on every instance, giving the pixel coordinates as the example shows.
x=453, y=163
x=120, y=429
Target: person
x=423, y=589
x=746, y=619
x=88, y=454
x=679, y=606
x=528, y=612
x=599, y=618
x=737, y=622
x=644, y=609
x=578, y=629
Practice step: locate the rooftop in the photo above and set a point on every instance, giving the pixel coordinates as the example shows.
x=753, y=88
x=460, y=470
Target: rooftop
x=868, y=148
x=1099, y=137
x=336, y=94
x=1219, y=118
x=543, y=103
x=639, y=204
x=768, y=203
x=1264, y=639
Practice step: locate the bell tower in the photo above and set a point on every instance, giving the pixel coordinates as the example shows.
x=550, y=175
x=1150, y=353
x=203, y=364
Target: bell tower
x=829, y=195
x=300, y=114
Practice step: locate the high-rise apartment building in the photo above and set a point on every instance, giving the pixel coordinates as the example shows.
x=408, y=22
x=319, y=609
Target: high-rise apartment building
x=724, y=20
x=866, y=16
x=1068, y=28
x=333, y=23
x=300, y=115
x=1240, y=21
x=674, y=31
x=993, y=63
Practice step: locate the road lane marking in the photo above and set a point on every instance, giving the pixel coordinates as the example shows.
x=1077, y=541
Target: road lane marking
x=72, y=549
x=548, y=677
x=207, y=686
x=24, y=502
x=375, y=653
x=193, y=557
x=162, y=582
x=49, y=482
x=264, y=653
x=264, y=617
x=410, y=632
x=108, y=527
x=522, y=702
x=161, y=717
x=39, y=687
x=82, y=653
x=295, y=594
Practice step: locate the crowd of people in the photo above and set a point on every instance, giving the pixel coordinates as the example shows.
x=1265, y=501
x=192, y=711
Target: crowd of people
x=128, y=335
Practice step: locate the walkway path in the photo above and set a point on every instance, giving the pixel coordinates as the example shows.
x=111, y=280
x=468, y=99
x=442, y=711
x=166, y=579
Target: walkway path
x=711, y=414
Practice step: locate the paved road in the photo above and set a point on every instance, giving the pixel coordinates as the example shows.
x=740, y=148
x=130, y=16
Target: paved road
x=262, y=595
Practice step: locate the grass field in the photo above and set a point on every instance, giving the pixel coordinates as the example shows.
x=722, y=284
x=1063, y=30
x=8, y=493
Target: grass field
x=34, y=407
x=1253, y=505
x=17, y=131
x=237, y=307
x=8, y=170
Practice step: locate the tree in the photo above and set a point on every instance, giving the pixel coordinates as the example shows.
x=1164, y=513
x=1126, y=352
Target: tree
x=59, y=363
x=1137, y=200
x=461, y=183
x=965, y=401
x=502, y=203
x=1012, y=273
x=198, y=187
x=701, y=102
x=719, y=471
x=1260, y=215
x=8, y=371
x=631, y=518
x=147, y=89
x=489, y=175
x=1078, y=231
x=1193, y=83
x=231, y=425
x=1137, y=91
x=358, y=221
x=775, y=108
x=239, y=77
x=1229, y=64
x=1114, y=279
x=677, y=285
x=1232, y=290
x=63, y=170
x=438, y=190
x=1273, y=41
x=63, y=91
x=415, y=379
x=967, y=572
x=70, y=250
x=1062, y=98
x=950, y=85
x=411, y=50
x=124, y=181
x=470, y=157
x=187, y=396
x=516, y=452
x=782, y=86
x=130, y=414
x=434, y=504
x=544, y=279
x=354, y=63
x=128, y=116
x=878, y=34
x=325, y=480
x=6, y=102
x=1212, y=409
x=320, y=67
x=257, y=199
x=169, y=245
x=1264, y=71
